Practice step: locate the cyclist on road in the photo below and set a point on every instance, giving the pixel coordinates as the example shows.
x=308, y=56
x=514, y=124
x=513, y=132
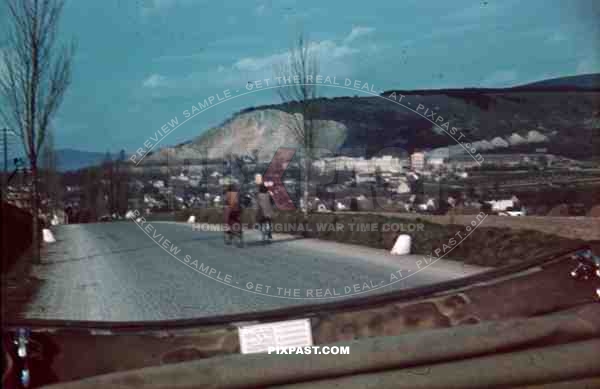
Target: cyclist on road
x=233, y=215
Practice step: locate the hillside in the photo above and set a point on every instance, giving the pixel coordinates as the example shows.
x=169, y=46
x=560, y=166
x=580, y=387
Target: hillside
x=559, y=115
x=72, y=159
x=587, y=81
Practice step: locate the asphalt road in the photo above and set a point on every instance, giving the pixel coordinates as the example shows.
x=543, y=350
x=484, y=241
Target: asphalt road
x=126, y=271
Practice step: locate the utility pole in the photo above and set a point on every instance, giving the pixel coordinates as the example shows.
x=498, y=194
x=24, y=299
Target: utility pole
x=5, y=141
x=5, y=132
x=4, y=191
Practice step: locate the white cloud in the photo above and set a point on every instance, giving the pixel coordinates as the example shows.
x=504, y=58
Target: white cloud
x=260, y=10
x=326, y=51
x=259, y=63
x=334, y=59
x=556, y=37
x=588, y=65
x=329, y=49
x=500, y=78
x=357, y=32
x=155, y=81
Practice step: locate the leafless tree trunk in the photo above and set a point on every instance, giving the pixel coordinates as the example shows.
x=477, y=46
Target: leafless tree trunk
x=300, y=91
x=51, y=177
x=37, y=74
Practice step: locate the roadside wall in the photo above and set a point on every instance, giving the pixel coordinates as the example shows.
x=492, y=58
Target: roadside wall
x=16, y=226
x=484, y=245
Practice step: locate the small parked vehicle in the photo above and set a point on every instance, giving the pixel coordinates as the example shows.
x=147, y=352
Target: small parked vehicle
x=588, y=267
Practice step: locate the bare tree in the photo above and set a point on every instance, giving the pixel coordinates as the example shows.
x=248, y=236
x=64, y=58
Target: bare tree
x=299, y=90
x=37, y=72
x=50, y=177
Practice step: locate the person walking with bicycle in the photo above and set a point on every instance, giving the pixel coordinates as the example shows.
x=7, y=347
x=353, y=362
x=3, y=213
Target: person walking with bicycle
x=265, y=212
x=233, y=215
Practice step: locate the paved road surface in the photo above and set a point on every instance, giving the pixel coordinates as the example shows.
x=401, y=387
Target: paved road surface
x=118, y=272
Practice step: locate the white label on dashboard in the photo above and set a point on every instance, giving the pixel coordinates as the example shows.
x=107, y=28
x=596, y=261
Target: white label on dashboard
x=259, y=337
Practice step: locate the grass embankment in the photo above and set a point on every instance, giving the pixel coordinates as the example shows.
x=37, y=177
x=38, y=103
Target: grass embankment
x=483, y=245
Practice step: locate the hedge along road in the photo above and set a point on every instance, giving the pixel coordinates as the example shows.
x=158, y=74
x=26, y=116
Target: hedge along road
x=114, y=272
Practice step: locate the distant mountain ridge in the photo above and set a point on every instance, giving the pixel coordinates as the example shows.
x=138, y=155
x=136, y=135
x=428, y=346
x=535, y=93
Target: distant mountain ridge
x=72, y=159
x=561, y=115
x=586, y=81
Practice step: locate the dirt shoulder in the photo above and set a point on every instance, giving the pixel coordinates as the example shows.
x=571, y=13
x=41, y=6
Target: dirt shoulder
x=472, y=239
x=576, y=227
x=19, y=287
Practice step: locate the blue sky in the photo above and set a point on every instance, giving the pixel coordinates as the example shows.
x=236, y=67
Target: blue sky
x=139, y=63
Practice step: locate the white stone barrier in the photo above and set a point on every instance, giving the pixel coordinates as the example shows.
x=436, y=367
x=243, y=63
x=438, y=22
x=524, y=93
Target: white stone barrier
x=402, y=245
x=48, y=236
